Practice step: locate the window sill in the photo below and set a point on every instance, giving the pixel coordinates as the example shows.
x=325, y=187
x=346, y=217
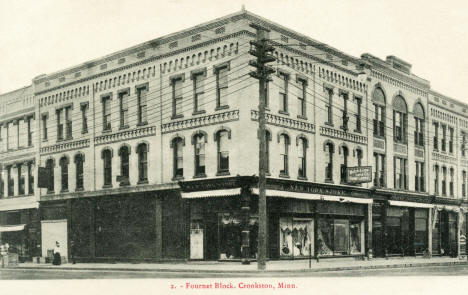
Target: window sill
x=79, y=189
x=328, y=180
x=222, y=173
x=283, y=112
x=177, y=116
x=302, y=117
x=50, y=192
x=198, y=112
x=379, y=136
x=144, y=181
x=200, y=176
x=284, y=175
x=64, y=191
x=218, y=108
x=124, y=183
x=302, y=178
x=44, y=140
x=84, y=131
x=107, y=130
x=107, y=186
x=329, y=124
x=122, y=127
x=177, y=178
x=357, y=131
x=142, y=123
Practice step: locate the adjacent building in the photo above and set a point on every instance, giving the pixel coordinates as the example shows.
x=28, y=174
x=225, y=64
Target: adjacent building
x=151, y=153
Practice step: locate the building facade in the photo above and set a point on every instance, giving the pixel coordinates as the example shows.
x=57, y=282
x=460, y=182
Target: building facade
x=151, y=153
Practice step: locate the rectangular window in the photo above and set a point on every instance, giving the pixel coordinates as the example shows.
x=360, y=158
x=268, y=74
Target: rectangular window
x=222, y=87
x=123, y=102
x=142, y=94
x=344, y=116
x=419, y=177
x=451, y=184
x=436, y=179
x=451, y=140
x=11, y=183
x=419, y=132
x=177, y=98
x=400, y=173
x=399, y=127
x=21, y=170
x=463, y=144
x=301, y=98
x=106, y=113
x=444, y=181
x=379, y=120
x=30, y=178
x=358, y=114
x=436, y=136
x=330, y=107
x=283, y=92
x=68, y=122
x=199, y=91
x=444, y=137
x=28, y=122
x=464, y=184
x=59, y=124
x=84, y=118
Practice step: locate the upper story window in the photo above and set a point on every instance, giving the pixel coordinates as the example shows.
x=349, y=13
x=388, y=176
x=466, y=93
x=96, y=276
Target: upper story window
x=142, y=151
x=79, y=159
x=464, y=184
x=284, y=154
x=378, y=99
x=21, y=169
x=124, y=153
x=450, y=140
x=59, y=113
x=142, y=93
x=463, y=144
x=199, y=91
x=31, y=178
x=222, y=86
x=50, y=165
x=68, y=122
x=177, y=97
x=107, y=163
x=344, y=115
x=84, y=118
x=444, y=138
x=2, y=185
x=419, y=177
x=329, y=151
x=400, y=121
x=344, y=164
x=444, y=181
x=106, y=113
x=178, y=157
x=123, y=105
x=358, y=114
x=199, y=141
x=436, y=135
x=11, y=182
x=436, y=179
x=329, y=106
x=301, y=98
x=283, y=92
x=359, y=156
x=418, y=125
x=451, y=184
x=222, y=138
x=401, y=173
x=64, y=173
x=29, y=131
x=302, y=157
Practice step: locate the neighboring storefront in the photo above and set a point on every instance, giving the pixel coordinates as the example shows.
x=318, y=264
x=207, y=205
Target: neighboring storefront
x=445, y=230
x=20, y=230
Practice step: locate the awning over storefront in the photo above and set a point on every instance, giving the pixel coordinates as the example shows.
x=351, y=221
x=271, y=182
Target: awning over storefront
x=8, y=228
x=318, y=197
x=409, y=204
x=447, y=208
x=212, y=193
x=8, y=204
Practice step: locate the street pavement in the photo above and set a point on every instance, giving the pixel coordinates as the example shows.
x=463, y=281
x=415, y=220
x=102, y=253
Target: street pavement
x=48, y=274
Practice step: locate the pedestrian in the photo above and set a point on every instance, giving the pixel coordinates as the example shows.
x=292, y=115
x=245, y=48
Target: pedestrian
x=57, y=259
x=72, y=251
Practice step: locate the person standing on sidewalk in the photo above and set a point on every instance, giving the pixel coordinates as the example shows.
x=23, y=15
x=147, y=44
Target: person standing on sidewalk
x=57, y=259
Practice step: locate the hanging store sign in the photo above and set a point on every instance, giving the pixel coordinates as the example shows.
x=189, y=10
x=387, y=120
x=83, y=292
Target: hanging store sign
x=359, y=174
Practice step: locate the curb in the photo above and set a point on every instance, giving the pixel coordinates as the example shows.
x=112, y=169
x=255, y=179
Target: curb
x=307, y=270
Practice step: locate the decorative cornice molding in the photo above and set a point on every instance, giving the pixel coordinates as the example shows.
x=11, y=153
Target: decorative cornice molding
x=125, y=135
x=284, y=122
x=200, y=121
x=65, y=146
x=340, y=134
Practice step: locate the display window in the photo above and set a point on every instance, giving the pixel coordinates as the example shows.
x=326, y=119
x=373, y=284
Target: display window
x=340, y=236
x=296, y=237
x=230, y=236
x=420, y=230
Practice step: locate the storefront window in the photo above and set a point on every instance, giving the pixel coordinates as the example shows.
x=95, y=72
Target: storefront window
x=420, y=230
x=296, y=237
x=355, y=229
x=230, y=235
x=340, y=236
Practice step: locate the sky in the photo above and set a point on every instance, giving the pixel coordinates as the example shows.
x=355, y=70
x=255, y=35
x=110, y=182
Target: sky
x=44, y=36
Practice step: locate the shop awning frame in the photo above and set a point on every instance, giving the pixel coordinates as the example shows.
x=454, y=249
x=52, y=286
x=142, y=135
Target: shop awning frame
x=314, y=197
x=213, y=193
x=11, y=228
x=410, y=204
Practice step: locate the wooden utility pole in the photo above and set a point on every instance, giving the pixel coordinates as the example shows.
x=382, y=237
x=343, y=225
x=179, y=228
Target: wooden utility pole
x=263, y=53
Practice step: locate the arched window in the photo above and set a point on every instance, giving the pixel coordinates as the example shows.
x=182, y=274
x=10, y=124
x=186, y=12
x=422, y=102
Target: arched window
x=302, y=160
x=199, y=144
x=378, y=99
x=419, y=124
x=124, y=154
x=50, y=171
x=329, y=150
x=79, y=159
x=142, y=151
x=223, y=151
x=64, y=173
x=107, y=161
x=344, y=164
x=178, y=158
x=400, y=119
x=284, y=154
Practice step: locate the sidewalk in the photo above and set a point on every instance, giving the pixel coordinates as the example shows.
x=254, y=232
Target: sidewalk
x=272, y=266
